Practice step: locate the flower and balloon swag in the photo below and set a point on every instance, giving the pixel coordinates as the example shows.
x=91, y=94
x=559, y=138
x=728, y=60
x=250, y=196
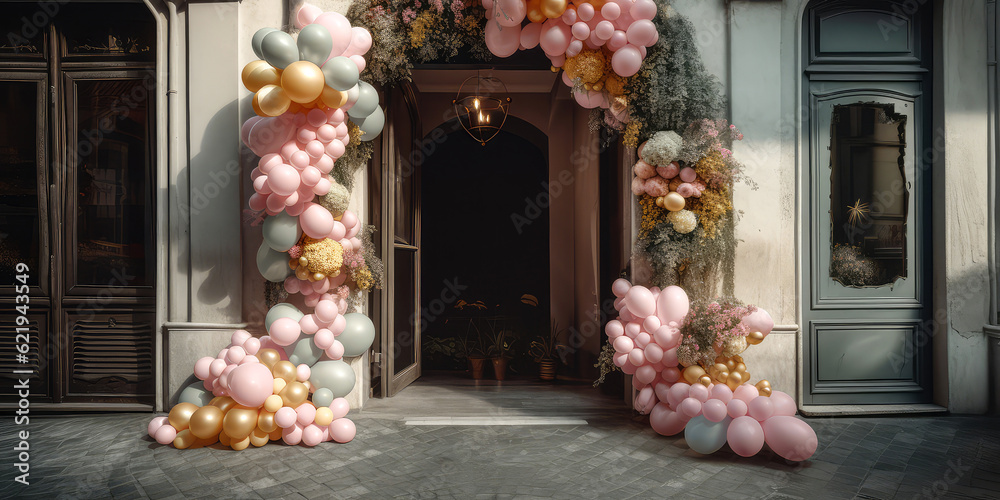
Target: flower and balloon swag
x=313, y=118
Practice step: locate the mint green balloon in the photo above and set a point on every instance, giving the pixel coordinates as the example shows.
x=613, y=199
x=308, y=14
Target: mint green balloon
x=195, y=394
x=322, y=397
x=341, y=73
x=279, y=49
x=258, y=38
x=315, y=44
x=372, y=124
x=303, y=351
x=704, y=436
x=281, y=231
x=272, y=264
x=281, y=310
x=337, y=376
x=358, y=335
x=367, y=102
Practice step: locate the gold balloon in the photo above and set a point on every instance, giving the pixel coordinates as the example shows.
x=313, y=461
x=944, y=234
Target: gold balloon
x=754, y=338
x=270, y=100
x=303, y=81
x=180, y=415
x=184, y=439
x=201, y=443
x=268, y=357
x=240, y=422
x=284, y=370
x=275, y=435
x=273, y=402
x=693, y=373
x=722, y=377
x=705, y=380
x=225, y=403
x=240, y=444
x=324, y=416
x=534, y=11
x=258, y=73
x=279, y=384
x=673, y=201
x=224, y=439
x=731, y=365
x=734, y=380
x=720, y=367
x=659, y=201
x=294, y=394
x=266, y=423
x=553, y=8
x=258, y=438
x=206, y=422
x=333, y=98
x=740, y=367
x=764, y=391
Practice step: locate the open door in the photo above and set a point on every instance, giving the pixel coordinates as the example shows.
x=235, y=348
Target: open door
x=398, y=216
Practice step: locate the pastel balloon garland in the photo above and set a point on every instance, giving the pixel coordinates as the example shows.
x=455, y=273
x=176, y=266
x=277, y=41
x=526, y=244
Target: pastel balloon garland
x=713, y=406
x=291, y=384
x=598, y=43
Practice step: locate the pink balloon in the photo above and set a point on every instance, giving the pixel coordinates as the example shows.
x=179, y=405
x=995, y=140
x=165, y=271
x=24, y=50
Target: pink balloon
x=336, y=350
x=623, y=344
x=690, y=407
x=736, y=408
x=614, y=329
x=283, y=179
x=574, y=48
x=235, y=354
x=722, y=393
x=760, y=408
x=714, y=410
x=653, y=352
x=783, y=404
x=324, y=339
x=340, y=31
x=312, y=435
x=620, y=359
x=306, y=15
x=359, y=61
x=302, y=372
x=251, y=345
x=618, y=40
x=629, y=368
x=670, y=357
x=642, y=340
x=672, y=305
x=316, y=221
x=666, y=336
x=555, y=37
x=580, y=30
x=611, y=11
x=251, y=384
x=745, y=436
x=245, y=129
x=340, y=407
x=308, y=324
x=569, y=16
x=285, y=417
x=746, y=393
x=605, y=29
x=640, y=301
x=646, y=374
x=292, y=435
x=759, y=321
x=620, y=287
x=154, y=425
x=643, y=9
x=269, y=135
x=305, y=414
x=645, y=400
x=790, y=437
x=284, y=331
x=641, y=33
x=699, y=392
x=217, y=366
x=585, y=12
x=530, y=35
x=503, y=41
x=665, y=421
x=677, y=393
x=165, y=434
x=342, y=430
x=361, y=42
x=637, y=358
x=670, y=374
x=626, y=61
x=201, y=367
x=509, y=13
x=326, y=311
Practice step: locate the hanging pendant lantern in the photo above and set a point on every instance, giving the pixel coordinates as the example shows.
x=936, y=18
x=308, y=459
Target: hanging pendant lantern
x=482, y=104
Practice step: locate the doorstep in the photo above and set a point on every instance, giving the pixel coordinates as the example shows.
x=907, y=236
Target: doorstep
x=853, y=410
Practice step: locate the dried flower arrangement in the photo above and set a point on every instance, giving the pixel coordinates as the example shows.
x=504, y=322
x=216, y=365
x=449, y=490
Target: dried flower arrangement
x=712, y=330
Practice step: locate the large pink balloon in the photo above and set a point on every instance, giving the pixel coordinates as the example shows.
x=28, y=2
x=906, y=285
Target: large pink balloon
x=555, y=37
x=641, y=33
x=665, y=421
x=251, y=384
x=643, y=9
x=342, y=430
x=510, y=12
x=530, y=35
x=672, y=304
x=316, y=221
x=283, y=179
x=339, y=28
x=503, y=41
x=790, y=437
x=307, y=14
x=759, y=321
x=640, y=301
x=284, y=331
x=269, y=134
x=714, y=410
x=745, y=436
x=626, y=61
x=361, y=42
x=783, y=404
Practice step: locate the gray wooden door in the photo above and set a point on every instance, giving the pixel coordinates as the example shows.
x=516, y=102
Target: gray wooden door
x=865, y=285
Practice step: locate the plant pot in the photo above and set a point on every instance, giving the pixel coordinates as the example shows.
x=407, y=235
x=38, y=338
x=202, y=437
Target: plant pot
x=476, y=366
x=547, y=369
x=500, y=368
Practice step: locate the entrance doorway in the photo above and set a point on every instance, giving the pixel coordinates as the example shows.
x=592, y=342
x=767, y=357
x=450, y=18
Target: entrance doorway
x=77, y=202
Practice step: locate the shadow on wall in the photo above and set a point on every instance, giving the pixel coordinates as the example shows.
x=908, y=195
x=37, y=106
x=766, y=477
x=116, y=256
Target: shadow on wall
x=468, y=236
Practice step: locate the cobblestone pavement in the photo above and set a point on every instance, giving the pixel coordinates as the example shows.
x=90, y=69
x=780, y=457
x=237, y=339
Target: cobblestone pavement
x=616, y=455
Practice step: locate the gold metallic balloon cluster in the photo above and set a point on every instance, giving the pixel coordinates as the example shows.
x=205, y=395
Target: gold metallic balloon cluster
x=301, y=85
x=731, y=370
x=319, y=259
x=225, y=421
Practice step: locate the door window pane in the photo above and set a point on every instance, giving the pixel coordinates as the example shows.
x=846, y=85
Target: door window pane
x=405, y=314
x=19, y=224
x=868, y=195
x=124, y=31
x=114, y=223
x=22, y=33
x=404, y=171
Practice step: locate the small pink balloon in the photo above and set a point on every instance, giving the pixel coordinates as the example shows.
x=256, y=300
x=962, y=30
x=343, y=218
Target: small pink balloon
x=283, y=179
x=312, y=435
x=316, y=221
x=641, y=33
x=324, y=338
x=666, y=336
x=760, y=408
x=665, y=421
x=224, y=377
x=745, y=436
x=359, y=61
x=620, y=359
x=340, y=407
x=155, y=424
x=699, y=392
x=614, y=329
x=670, y=357
x=645, y=400
x=736, y=408
x=611, y=11
x=605, y=30
x=315, y=149
x=302, y=372
x=688, y=174
x=202, y=367
x=585, y=12
x=165, y=434
x=307, y=14
x=292, y=435
x=714, y=410
x=643, y=9
x=632, y=329
x=623, y=344
x=326, y=133
x=555, y=37
x=335, y=351
x=620, y=287
x=285, y=417
x=618, y=40
x=690, y=407
x=646, y=374
x=629, y=368
x=746, y=393
x=651, y=323
x=326, y=311
x=361, y=42
x=653, y=352
x=305, y=414
x=670, y=374
x=217, y=367
x=580, y=30
x=342, y=430
x=790, y=438
x=251, y=345
x=722, y=393
x=239, y=337
x=642, y=339
x=574, y=48
x=569, y=16
x=626, y=61
x=284, y=331
x=308, y=324
x=235, y=354
x=322, y=187
x=636, y=357
x=335, y=149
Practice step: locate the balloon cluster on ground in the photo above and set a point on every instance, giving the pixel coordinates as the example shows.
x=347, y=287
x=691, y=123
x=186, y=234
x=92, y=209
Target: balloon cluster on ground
x=657, y=338
x=291, y=384
x=597, y=43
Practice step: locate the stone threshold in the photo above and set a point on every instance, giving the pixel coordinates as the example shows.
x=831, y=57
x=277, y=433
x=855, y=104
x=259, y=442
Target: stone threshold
x=855, y=410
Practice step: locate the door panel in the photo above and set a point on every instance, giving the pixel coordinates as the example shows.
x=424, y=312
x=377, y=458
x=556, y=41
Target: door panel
x=400, y=223
x=865, y=339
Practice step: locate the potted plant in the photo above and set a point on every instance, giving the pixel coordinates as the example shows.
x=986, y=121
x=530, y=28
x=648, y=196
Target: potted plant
x=473, y=353
x=544, y=351
x=500, y=348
